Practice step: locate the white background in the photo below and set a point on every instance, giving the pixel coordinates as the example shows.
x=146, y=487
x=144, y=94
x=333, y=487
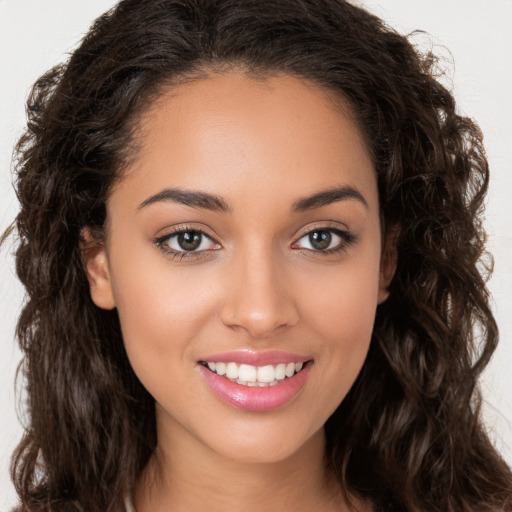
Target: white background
x=35, y=35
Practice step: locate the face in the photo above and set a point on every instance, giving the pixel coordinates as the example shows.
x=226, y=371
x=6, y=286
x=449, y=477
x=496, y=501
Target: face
x=244, y=244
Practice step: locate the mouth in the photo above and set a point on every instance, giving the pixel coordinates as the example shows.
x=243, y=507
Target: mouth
x=273, y=380
x=255, y=376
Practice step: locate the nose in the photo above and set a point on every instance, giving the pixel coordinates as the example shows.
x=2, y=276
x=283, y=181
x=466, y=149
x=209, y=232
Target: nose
x=258, y=296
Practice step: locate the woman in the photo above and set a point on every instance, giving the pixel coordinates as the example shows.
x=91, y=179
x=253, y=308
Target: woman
x=249, y=235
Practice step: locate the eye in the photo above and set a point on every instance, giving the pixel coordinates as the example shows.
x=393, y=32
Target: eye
x=186, y=241
x=325, y=240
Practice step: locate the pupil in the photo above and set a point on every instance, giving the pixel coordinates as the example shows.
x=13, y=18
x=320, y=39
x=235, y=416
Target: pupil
x=189, y=240
x=320, y=239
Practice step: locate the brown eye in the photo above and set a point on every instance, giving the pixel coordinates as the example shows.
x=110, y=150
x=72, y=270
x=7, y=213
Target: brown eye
x=189, y=240
x=320, y=240
x=325, y=241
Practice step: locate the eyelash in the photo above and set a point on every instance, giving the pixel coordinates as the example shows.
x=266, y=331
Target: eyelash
x=162, y=243
x=347, y=239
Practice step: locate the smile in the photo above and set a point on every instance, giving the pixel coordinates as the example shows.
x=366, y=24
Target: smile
x=256, y=381
x=255, y=376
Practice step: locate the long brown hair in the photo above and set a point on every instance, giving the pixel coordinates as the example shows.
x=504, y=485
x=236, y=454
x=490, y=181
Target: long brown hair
x=408, y=436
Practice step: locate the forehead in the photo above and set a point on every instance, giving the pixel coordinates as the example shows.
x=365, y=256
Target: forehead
x=230, y=131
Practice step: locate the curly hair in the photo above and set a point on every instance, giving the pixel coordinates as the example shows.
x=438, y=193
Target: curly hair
x=408, y=436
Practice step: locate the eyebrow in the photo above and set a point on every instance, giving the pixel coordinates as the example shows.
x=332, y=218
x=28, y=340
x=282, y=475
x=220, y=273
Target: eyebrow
x=328, y=196
x=190, y=198
x=204, y=200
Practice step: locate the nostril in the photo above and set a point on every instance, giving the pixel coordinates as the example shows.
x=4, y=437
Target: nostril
x=260, y=324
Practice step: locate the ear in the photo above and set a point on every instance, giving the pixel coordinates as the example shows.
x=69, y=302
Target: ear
x=388, y=262
x=96, y=266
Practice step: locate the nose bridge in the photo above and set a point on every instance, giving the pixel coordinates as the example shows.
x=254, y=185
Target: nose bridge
x=258, y=299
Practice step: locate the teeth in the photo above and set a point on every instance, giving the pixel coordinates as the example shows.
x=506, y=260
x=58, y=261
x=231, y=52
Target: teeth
x=232, y=371
x=249, y=375
x=247, y=372
x=266, y=373
x=221, y=368
x=280, y=371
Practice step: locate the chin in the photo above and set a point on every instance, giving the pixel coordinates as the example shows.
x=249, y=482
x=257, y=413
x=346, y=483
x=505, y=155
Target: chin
x=263, y=447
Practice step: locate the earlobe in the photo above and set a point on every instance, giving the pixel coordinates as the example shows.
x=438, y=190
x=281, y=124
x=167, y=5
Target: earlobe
x=97, y=270
x=388, y=263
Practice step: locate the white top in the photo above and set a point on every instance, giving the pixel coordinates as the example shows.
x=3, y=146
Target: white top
x=128, y=503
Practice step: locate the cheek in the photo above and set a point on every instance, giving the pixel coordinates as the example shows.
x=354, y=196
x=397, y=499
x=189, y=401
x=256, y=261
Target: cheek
x=161, y=311
x=161, y=321
x=341, y=313
x=344, y=320
x=342, y=303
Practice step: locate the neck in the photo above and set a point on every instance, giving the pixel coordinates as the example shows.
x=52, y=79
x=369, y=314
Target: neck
x=183, y=475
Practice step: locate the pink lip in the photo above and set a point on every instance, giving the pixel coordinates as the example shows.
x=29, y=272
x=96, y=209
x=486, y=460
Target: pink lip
x=255, y=398
x=257, y=358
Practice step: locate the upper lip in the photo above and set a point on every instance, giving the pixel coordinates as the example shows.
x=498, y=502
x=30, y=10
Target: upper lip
x=256, y=358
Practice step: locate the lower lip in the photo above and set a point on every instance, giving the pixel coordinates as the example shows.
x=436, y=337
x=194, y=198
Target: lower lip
x=255, y=398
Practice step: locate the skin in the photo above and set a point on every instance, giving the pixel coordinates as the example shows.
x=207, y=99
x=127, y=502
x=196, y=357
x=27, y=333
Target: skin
x=258, y=284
